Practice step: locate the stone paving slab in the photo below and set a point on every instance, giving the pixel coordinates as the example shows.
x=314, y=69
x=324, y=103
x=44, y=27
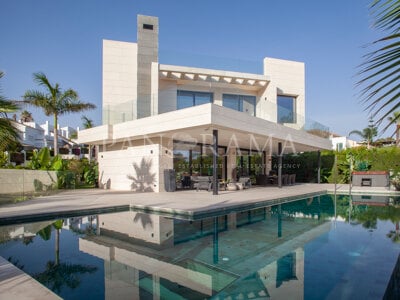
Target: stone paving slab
x=15, y=284
x=186, y=202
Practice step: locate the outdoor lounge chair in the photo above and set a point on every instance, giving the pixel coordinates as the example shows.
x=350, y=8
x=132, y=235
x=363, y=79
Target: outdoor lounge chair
x=245, y=181
x=203, y=183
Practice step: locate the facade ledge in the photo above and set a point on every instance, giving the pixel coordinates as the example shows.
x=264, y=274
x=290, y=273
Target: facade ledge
x=196, y=123
x=210, y=75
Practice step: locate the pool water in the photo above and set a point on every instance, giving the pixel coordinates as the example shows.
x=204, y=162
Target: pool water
x=322, y=247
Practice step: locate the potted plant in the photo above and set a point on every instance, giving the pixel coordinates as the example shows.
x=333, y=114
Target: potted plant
x=395, y=181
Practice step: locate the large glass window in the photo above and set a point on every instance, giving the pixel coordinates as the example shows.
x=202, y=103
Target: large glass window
x=189, y=99
x=286, y=109
x=241, y=103
x=196, y=159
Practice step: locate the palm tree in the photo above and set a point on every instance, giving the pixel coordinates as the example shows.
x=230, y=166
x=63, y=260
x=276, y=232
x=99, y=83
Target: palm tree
x=8, y=133
x=367, y=134
x=26, y=116
x=55, y=101
x=395, y=118
x=380, y=70
x=87, y=123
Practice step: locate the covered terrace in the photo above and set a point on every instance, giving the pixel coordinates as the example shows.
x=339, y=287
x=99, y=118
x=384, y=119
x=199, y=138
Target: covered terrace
x=220, y=132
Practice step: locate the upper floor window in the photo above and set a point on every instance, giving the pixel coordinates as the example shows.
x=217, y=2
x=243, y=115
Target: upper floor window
x=189, y=99
x=286, y=109
x=242, y=103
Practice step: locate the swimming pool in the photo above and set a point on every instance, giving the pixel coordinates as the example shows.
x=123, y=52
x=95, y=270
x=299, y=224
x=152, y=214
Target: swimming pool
x=314, y=248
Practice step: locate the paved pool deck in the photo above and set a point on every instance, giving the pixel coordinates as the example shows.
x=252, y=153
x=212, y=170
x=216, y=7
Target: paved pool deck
x=15, y=284
x=184, y=203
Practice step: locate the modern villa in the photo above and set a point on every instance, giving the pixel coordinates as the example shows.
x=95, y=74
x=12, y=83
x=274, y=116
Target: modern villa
x=159, y=117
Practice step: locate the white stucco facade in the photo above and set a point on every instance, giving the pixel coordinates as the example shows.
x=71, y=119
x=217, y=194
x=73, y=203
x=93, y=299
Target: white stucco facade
x=37, y=136
x=342, y=143
x=147, y=106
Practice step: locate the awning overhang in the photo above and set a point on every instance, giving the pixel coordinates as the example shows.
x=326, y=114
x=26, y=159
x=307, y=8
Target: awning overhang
x=195, y=125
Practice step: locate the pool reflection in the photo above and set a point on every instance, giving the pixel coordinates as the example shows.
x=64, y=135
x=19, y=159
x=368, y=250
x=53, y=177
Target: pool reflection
x=256, y=252
x=314, y=248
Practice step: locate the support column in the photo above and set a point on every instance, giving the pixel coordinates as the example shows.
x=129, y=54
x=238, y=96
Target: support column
x=215, y=241
x=279, y=220
x=319, y=167
x=156, y=287
x=215, y=162
x=267, y=163
x=232, y=221
x=280, y=165
x=231, y=163
x=165, y=159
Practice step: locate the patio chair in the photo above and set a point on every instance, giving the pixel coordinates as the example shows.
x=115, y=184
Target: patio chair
x=285, y=178
x=292, y=179
x=203, y=183
x=245, y=181
x=186, y=182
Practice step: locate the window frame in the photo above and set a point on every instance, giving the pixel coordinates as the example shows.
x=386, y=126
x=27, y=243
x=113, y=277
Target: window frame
x=240, y=98
x=193, y=95
x=293, y=112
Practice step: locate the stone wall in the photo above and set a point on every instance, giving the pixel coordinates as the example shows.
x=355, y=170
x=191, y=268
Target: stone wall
x=13, y=181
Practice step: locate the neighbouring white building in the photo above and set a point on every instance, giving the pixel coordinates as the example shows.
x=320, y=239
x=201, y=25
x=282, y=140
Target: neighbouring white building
x=340, y=143
x=158, y=117
x=37, y=136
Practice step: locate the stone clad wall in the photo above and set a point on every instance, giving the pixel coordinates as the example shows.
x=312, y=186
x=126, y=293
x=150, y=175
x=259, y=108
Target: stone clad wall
x=14, y=181
x=370, y=178
x=132, y=169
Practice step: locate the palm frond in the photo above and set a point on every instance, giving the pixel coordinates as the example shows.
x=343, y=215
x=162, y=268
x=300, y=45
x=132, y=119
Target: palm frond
x=8, y=134
x=380, y=71
x=41, y=79
x=356, y=132
x=76, y=107
x=39, y=99
x=7, y=107
x=87, y=123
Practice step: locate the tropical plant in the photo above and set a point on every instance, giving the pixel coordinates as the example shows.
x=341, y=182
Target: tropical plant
x=26, y=116
x=380, y=70
x=87, y=123
x=42, y=160
x=4, y=161
x=8, y=133
x=54, y=101
x=91, y=173
x=361, y=165
x=395, y=118
x=395, y=181
x=367, y=134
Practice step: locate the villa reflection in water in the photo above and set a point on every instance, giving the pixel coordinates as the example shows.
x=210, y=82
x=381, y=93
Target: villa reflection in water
x=315, y=248
x=254, y=253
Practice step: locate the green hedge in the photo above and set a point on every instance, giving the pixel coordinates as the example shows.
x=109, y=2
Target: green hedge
x=305, y=165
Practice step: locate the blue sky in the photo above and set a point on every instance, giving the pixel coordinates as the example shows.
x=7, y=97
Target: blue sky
x=63, y=39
